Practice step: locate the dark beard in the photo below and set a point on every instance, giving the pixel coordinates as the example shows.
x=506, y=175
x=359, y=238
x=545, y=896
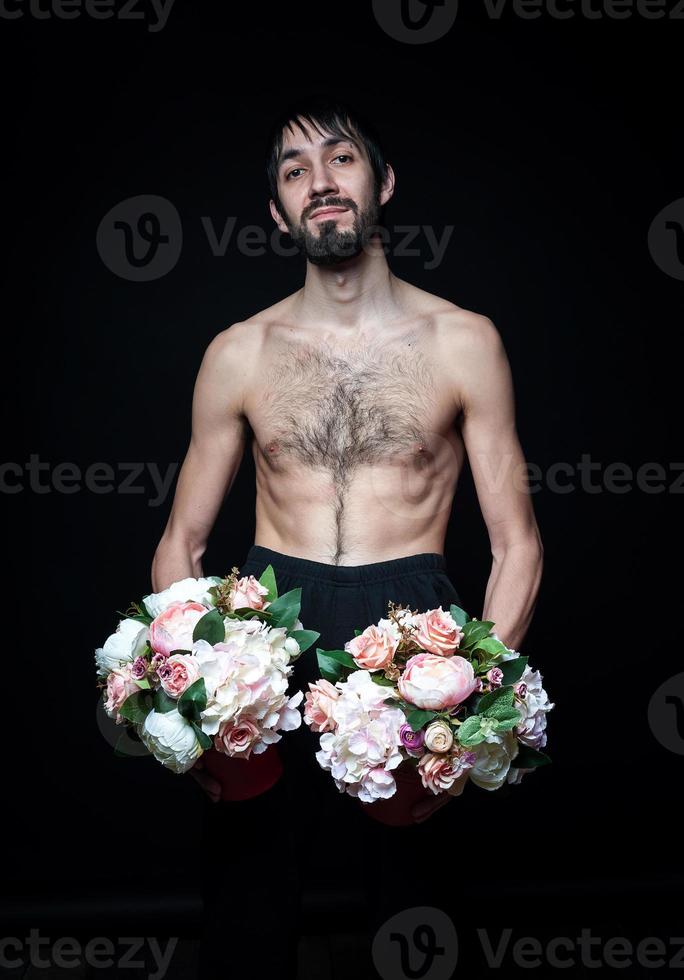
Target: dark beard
x=329, y=246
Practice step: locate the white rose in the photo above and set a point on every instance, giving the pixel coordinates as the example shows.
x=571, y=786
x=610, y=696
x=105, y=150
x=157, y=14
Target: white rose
x=123, y=646
x=171, y=739
x=493, y=761
x=531, y=730
x=185, y=590
x=438, y=737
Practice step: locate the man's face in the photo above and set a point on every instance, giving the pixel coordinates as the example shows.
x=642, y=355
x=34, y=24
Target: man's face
x=319, y=172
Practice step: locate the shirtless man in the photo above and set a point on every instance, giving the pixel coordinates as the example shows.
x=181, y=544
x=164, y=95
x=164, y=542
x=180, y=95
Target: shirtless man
x=361, y=395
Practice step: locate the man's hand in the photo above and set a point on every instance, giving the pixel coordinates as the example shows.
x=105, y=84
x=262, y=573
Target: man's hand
x=211, y=786
x=423, y=810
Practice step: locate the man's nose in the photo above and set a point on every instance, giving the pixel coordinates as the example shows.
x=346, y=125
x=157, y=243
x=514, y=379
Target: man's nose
x=322, y=182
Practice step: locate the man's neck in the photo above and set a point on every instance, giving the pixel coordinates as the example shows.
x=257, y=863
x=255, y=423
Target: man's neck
x=351, y=295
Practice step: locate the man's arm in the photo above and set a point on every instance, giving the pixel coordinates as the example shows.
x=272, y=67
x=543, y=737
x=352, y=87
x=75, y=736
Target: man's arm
x=219, y=432
x=499, y=473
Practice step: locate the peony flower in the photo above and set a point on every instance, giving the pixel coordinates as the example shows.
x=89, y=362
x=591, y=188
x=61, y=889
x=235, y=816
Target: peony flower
x=373, y=649
x=437, y=632
x=178, y=673
x=493, y=761
x=172, y=629
x=434, y=682
x=123, y=646
x=171, y=739
x=249, y=593
x=185, y=590
x=438, y=737
x=120, y=685
x=319, y=706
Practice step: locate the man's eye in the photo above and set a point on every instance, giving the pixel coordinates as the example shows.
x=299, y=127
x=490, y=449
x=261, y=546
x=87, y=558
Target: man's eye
x=287, y=177
x=347, y=155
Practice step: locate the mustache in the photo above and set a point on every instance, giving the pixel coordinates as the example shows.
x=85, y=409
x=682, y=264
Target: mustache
x=340, y=203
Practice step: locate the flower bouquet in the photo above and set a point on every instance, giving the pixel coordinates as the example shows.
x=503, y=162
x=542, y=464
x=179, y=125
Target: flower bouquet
x=421, y=703
x=202, y=668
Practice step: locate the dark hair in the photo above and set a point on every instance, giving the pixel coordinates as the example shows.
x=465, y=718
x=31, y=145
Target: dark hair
x=330, y=116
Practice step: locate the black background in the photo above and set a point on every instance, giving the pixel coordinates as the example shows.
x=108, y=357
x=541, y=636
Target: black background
x=550, y=146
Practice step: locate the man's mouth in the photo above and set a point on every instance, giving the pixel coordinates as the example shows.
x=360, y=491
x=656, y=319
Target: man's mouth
x=327, y=213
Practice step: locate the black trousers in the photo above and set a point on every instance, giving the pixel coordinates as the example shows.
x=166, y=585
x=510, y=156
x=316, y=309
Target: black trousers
x=304, y=857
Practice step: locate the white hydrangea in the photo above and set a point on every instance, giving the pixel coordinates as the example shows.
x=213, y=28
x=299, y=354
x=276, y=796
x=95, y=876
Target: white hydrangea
x=249, y=678
x=366, y=745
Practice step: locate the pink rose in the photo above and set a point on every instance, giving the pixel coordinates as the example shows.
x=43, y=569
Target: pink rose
x=120, y=685
x=177, y=673
x=441, y=773
x=172, y=629
x=435, y=682
x=237, y=738
x=249, y=592
x=318, y=706
x=373, y=649
x=437, y=632
x=495, y=676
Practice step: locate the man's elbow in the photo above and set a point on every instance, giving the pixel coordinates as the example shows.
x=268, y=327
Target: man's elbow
x=176, y=557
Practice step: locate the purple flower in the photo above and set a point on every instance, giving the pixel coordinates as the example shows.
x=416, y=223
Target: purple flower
x=495, y=676
x=412, y=741
x=139, y=668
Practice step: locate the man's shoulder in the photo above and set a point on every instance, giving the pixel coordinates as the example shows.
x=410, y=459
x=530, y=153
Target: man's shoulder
x=246, y=335
x=456, y=326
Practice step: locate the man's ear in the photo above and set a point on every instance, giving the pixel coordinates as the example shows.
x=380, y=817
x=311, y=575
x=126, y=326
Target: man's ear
x=275, y=214
x=387, y=187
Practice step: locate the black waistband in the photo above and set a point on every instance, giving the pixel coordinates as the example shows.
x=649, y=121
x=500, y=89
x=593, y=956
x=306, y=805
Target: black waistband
x=305, y=568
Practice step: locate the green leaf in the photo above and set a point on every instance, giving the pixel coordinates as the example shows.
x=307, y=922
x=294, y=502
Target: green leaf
x=285, y=609
x=508, y=721
x=418, y=718
x=331, y=663
x=529, y=758
x=204, y=740
x=380, y=679
x=210, y=628
x=459, y=615
x=143, y=683
x=474, y=631
x=358, y=632
x=136, y=707
x=470, y=732
x=305, y=638
x=491, y=646
x=193, y=700
x=139, y=617
x=496, y=702
x=162, y=702
x=513, y=669
x=268, y=580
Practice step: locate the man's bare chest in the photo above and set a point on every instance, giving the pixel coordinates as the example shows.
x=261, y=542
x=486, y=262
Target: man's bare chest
x=336, y=408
